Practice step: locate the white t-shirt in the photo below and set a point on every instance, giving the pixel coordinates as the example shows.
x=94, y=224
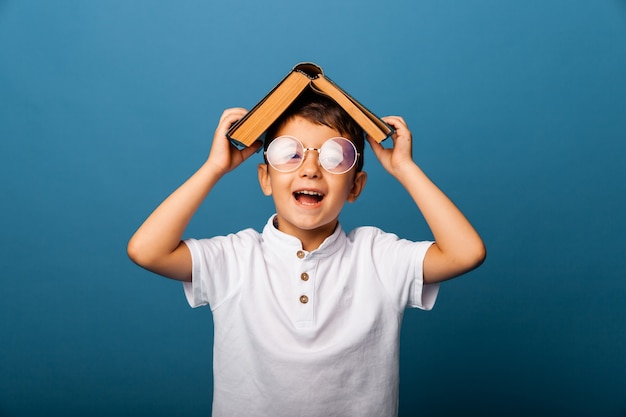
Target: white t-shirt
x=302, y=333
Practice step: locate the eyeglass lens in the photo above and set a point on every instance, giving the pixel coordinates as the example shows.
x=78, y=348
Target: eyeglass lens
x=337, y=155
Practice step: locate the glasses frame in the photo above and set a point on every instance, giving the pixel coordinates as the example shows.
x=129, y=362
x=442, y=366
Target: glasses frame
x=357, y=154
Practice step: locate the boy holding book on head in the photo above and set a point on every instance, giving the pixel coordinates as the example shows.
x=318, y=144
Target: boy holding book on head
x=307, y=318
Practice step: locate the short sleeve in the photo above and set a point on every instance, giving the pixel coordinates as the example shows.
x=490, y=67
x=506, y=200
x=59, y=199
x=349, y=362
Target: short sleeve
x=196, y=291
x=421, y=295
x=399, y=264
x=217, y=267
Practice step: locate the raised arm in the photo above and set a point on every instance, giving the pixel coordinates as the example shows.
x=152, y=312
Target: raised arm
x=458, y=248
x=156, y=245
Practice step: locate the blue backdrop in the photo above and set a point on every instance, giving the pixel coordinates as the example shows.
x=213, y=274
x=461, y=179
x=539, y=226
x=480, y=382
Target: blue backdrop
x=518, y=110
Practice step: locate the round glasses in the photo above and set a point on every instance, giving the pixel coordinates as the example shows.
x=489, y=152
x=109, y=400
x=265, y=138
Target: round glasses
x=286, y=153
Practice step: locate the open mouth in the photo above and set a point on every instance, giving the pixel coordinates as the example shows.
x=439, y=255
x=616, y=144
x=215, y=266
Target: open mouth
x=308, y=197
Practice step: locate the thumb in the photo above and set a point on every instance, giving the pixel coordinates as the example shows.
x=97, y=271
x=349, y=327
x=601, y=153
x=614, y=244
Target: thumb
x=252, y=149
x=376, y=147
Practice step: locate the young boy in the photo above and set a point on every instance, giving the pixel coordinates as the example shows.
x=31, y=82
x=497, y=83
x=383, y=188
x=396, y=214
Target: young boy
x=307, y=318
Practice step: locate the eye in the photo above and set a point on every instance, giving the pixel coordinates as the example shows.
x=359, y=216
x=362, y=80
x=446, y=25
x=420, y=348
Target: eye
x=288, y=157
x=294, y=156
x=285, y=151
x=331, y=155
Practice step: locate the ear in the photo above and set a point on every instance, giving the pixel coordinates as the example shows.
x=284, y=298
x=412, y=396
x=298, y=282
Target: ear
x=264, y=179
x=359, y=182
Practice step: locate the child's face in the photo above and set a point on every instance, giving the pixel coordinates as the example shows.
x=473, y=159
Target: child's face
x=309, y=199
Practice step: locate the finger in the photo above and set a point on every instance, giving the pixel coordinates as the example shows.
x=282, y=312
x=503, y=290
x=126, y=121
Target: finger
x=397, y=123
x=394, y=119
x=401, y=129
x=251, y=150
x=377, y=148
x=233, y=110
x=230, y=116
x=228, y=119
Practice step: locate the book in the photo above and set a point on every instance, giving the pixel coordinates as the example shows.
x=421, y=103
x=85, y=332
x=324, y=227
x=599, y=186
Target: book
x=305, y=75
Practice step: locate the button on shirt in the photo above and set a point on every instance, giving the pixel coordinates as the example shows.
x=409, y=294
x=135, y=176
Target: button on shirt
x=307, y=333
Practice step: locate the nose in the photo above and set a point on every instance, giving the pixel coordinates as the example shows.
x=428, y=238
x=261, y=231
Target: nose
x=311, y=164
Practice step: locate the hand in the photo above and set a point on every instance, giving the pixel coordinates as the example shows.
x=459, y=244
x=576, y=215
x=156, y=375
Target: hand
x=400, y=155
x=225, y=156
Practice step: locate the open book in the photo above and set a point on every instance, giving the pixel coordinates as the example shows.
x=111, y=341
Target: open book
x=305, y=75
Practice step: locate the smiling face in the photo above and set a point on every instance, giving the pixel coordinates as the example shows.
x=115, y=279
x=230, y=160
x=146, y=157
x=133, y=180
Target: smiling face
x=309, y=199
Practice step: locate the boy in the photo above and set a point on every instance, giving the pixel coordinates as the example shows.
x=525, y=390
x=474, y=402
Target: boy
x=307, y=318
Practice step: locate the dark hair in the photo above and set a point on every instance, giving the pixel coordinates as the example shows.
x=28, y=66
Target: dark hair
x=320, y=109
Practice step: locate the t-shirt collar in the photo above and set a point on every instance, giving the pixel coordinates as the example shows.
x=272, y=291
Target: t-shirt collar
x=285, y=242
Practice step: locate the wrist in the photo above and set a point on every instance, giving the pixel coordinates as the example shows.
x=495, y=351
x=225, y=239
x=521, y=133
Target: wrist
x=211, y=171
x=405, y=171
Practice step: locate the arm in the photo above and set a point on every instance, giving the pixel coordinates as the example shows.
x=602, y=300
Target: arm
x=458, y=248
x=156, y=245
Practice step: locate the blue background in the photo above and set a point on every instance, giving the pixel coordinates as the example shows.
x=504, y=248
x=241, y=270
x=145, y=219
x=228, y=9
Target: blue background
x=518, y=109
